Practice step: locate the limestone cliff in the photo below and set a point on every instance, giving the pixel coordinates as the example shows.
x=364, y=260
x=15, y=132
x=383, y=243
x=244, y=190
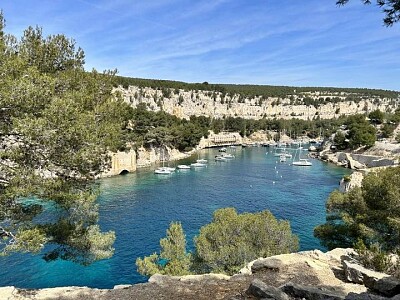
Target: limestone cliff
x=184, y=104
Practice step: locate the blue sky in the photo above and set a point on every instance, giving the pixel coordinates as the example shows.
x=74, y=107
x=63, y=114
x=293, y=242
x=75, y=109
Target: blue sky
x=276, y=42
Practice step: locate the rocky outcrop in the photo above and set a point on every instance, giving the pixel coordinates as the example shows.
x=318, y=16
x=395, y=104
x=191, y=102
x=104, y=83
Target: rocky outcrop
x=184, y=104
x=357, y=161
x=262, y=290
x=376, y=281
x=148, y=157
x=303, y=275
x=351, y=181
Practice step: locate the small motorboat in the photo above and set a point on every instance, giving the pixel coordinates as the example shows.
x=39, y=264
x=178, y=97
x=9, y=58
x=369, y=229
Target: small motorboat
x=198, y=165
x=183, y=167
x=162, y=171
x=220, y=158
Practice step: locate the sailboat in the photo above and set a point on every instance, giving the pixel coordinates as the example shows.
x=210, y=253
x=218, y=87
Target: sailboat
x=302, y=162
x=282, y=152
x=163, y=170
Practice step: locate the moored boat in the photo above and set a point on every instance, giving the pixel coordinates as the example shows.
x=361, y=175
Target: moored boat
x=183, y=167
x=201, y=161
x=162, y=171
x=220, y=158
x=303, y=162
x=197, y=165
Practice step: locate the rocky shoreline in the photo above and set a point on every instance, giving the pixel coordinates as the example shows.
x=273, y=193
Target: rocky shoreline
x=303, y=275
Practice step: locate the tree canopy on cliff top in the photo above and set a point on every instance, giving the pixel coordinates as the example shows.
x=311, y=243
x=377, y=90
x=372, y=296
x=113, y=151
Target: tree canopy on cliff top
x=57, y=124
x=248, y=90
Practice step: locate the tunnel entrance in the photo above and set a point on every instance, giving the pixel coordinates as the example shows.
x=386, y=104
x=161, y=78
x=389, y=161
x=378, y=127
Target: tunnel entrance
x=124, y=172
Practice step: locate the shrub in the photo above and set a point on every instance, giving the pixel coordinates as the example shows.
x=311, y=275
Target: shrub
x=173, y=258
x=231, y=240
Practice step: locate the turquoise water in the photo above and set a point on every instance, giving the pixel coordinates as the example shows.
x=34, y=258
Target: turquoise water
x=139, y=208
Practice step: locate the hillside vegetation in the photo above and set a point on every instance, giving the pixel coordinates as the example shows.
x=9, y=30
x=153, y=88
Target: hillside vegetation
x=248, y=90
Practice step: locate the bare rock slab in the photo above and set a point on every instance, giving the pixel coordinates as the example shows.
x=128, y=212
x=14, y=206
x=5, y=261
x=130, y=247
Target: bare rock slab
x=379, y=282
x=311, y=293
x=262, y=290
x=271, y=263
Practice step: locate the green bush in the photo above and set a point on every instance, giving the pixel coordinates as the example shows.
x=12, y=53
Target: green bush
x=173, y=258
x=370, y=213
x=231, y=240
x=224, y=246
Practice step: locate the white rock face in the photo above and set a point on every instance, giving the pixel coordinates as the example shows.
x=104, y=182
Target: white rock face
x=184, y=104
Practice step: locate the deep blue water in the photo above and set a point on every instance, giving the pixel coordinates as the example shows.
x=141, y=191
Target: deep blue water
x=139, y=208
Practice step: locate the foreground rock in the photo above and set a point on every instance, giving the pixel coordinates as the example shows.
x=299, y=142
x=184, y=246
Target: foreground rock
x=308, y=275
x=376, y=281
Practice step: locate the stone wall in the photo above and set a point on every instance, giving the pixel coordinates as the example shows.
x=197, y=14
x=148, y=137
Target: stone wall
x=358, y=161
x=121, y=162
x=372, y=161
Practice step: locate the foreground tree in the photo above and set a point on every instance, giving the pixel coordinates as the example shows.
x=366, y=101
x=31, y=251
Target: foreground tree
x=370, y=214
x=231, y=240
x=173, y=258
x=223, y=246
x=391, y=8
x=57, y=125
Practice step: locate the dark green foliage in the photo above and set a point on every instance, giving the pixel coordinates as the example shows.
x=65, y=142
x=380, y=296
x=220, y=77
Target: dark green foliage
x=361, y=133
x=370, y=213
x=376, y=116
x=373, y=257
x=387, y=130
x=251, y=91
x=161, y=129
x=225, y=245
x=231, y=240
x=58, y=124
x=340, y=140
x=173, y=258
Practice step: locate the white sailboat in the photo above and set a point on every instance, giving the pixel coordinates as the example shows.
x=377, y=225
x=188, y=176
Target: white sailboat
x=283, y=152
x=200, y=162
x=302, y=162
x=163, y=170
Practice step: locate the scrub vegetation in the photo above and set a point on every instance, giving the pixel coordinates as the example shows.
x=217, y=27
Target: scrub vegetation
x=223, y=246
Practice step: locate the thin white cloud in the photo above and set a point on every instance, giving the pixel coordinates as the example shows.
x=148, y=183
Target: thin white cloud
x=262, y=41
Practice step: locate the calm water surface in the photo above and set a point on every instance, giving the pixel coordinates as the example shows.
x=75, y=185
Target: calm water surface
x=139, y=208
